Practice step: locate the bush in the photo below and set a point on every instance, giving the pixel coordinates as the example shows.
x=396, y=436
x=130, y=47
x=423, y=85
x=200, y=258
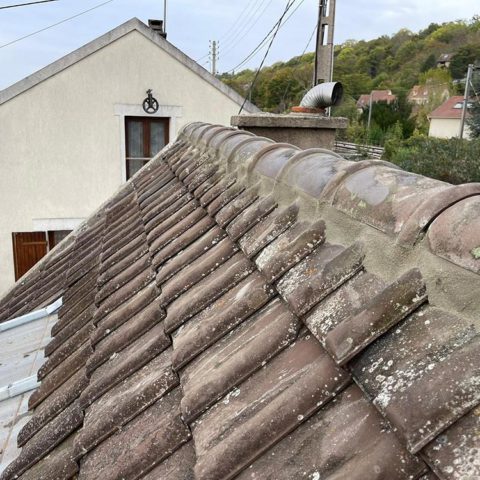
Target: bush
x=455, y=161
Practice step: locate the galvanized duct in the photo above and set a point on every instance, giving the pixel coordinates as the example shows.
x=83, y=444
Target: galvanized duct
x=323, y=95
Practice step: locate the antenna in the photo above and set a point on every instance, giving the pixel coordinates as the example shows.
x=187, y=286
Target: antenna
x=165, y=16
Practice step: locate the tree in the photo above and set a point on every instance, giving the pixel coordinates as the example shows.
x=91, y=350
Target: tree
x=474, y=121
x=397, y=114
x=429, y=63
x=465, y=55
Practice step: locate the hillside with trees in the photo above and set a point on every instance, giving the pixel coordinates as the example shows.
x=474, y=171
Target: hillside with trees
x=395, y=63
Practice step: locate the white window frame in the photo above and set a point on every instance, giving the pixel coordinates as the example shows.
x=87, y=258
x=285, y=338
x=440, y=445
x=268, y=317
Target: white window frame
x=172, y=112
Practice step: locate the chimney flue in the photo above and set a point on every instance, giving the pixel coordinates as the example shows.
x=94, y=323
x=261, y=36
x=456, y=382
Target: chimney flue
x=157, y=26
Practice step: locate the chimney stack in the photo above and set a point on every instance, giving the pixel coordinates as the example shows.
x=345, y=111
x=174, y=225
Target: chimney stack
x=157, y=26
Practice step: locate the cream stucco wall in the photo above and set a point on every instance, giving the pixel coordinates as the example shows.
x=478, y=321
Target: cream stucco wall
x=61, y=145
x=446, y=128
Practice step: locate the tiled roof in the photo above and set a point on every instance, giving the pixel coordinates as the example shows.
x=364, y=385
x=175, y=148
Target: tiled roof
x=377, y=96
x=237, y=313
x=452, y=108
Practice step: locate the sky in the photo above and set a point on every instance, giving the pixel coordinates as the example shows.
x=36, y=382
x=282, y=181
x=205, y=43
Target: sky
x=238, y=25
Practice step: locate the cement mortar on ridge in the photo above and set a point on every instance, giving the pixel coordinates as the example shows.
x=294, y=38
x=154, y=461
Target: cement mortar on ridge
x=449, y=286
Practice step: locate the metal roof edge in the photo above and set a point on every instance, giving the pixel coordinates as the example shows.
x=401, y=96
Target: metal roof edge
x=32, y=316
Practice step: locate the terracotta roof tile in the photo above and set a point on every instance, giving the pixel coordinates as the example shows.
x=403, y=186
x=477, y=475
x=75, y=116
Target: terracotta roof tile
x=158, y=432
x=207, y=290
x=57, y=465
x=236, y=356
x=219, y=318
x=448, y=109
x=244, y=309
x=45, y=440
x=345, y=439
x=124, y=402
x=328, y=267
x=403, y=369
x=280, y=396
x=190, y=254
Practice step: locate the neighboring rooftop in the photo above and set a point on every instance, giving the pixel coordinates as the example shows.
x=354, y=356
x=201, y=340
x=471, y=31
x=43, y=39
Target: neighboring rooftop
x=450, y=109
x=375, y=96
x=245, y=309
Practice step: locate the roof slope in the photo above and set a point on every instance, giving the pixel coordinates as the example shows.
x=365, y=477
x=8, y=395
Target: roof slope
x=375, y=96
x=448, y=110
x=242, y=309
x=131, y=25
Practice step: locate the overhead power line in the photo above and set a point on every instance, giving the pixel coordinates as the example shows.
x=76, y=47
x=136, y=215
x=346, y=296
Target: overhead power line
x=233, y=28
x=303, y=53
x=246, y=32
x=241, y=22
x=247, y=24
x=55, y=24
x=26, y=4
x=265, y=39
x=278, y=25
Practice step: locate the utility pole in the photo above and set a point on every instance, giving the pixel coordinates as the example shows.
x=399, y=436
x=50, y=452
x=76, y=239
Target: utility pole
x=370, y=108
x=466, y=98
x=325, y=37
x=214, y=55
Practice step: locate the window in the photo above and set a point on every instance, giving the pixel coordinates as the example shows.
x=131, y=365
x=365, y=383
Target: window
x=145, y=137
x=56, y=236
x=30, y=247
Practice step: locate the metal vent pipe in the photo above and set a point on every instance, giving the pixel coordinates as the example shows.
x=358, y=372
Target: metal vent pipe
x=324, y=95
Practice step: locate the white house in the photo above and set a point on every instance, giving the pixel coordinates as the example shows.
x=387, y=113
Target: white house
x=72, y=132
x=445, y=121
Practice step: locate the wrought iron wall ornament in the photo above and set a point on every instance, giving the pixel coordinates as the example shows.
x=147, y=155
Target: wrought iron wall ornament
x=150, y=104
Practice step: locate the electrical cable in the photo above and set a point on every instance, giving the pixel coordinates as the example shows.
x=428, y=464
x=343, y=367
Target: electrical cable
x=55, y=24
x=303, y=53
x=232, y=28
x=26, y=4
x=266, y=38
x=252, y=20
x=237, y=21
x=279, y=23
x=249, y=29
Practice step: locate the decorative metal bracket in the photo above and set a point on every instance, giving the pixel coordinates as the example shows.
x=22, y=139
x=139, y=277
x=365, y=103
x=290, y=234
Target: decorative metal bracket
x=150, y=104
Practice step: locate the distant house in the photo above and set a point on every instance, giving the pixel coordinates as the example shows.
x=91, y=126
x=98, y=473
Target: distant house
x=74, y=131
x=444, y=60
x=446, y=119
x=418, y=95
x=422, y=94
x=375, y=96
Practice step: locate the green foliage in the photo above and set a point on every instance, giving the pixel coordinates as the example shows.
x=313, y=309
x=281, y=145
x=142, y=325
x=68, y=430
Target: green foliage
x=454, y=160
x=429, y=63
x=385, y=117
x=464, y=56
x=347, y=109
x=395, y=62
x=474, y=121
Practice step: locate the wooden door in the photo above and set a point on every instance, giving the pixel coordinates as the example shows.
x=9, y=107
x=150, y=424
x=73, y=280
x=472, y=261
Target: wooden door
x=28, y=249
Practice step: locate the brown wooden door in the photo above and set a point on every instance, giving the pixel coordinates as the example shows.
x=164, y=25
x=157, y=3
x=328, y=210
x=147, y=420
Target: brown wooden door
x=28, y=249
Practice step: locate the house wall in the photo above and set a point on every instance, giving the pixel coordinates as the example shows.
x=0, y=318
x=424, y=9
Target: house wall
x=446, y=128
x=62, y=145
